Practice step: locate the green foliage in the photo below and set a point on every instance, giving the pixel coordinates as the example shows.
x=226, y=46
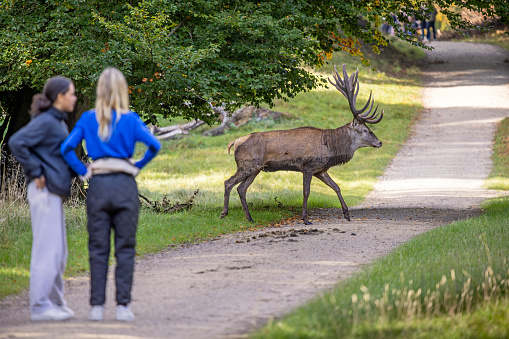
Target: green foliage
x=179, y=56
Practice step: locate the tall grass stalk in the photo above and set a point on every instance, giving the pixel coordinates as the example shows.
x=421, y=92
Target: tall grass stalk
x=13, y=187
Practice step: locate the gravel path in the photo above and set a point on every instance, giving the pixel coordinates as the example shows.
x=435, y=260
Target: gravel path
x=234, y=284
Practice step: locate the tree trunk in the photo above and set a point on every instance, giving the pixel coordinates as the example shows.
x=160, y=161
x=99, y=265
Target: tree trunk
x=17, y=104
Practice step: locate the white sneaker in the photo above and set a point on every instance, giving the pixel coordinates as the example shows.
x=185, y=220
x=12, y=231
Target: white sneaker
x=66, y=309
x=52, y=314
x=96, y=313
x=124, y=313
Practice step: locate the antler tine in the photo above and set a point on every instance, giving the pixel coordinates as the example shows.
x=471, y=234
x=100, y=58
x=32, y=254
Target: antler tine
x=354, y=79
x=361, y=111
x=371, y=118
x=353, y=84
x=347, y=82
x=349, y=87
x=337, y=77
x=340, y=86
x=377, y=120
x=361, y=115
x=366, y=115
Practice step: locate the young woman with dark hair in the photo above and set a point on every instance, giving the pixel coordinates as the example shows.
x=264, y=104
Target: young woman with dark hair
x=110, y=132
x=37, y=148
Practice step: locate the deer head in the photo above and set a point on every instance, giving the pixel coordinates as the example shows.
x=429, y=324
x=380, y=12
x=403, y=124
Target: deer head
x=349, y=87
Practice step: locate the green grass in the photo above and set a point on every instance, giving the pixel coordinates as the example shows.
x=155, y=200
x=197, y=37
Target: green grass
x=459, y=271
x=499, y=177
x=203, y=163
x=498, y=38
x=452, y=282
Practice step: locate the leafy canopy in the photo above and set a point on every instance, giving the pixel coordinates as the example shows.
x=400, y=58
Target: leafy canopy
x=180, y=56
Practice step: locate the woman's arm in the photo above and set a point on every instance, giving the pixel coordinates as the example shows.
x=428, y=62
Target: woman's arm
x=153, y=145
x=67, y=149
x=22, y=141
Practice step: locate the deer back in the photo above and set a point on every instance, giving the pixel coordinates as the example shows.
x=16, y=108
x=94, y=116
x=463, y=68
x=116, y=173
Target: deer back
x=299, y=149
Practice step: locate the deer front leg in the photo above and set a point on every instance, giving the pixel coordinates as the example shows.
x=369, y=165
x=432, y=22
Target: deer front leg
x=228, y=186
x=306, y=187
x=324, y=176
x=242, y=190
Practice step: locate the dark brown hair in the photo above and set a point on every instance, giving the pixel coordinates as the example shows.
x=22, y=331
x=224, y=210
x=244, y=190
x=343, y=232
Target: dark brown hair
x=44, y=100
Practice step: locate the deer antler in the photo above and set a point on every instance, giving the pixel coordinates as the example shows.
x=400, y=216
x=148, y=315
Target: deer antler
x=349, y=87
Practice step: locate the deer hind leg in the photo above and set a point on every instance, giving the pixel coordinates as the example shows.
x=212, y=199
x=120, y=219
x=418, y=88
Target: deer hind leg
x=228, y=186
x=324, y=176
x=306, y=188
x=242, y=189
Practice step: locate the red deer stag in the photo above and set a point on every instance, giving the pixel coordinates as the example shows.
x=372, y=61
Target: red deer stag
x=309, y=150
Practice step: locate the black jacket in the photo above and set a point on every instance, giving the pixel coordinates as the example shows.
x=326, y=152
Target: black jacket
x=37, y=148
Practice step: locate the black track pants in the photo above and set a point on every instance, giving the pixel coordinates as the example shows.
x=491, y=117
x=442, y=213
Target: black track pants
x=112, y=203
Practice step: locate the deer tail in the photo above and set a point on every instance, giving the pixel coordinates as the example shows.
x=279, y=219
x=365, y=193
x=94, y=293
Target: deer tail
x=230, y=145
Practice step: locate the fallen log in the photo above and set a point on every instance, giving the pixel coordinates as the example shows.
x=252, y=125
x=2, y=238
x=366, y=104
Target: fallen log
x=165, y=205
x=175, y=131
x=240, y=117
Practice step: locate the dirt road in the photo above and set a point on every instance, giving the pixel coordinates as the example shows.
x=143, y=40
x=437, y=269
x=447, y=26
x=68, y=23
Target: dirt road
x=227, y=287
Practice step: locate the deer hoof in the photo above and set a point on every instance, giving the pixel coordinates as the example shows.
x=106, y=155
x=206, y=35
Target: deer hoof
x=223, y=215
x=307, y=222
x=347, y=215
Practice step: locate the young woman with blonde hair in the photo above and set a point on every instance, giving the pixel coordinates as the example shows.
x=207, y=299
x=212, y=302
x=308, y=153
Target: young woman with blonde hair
x=37, y=148
x=110, y=131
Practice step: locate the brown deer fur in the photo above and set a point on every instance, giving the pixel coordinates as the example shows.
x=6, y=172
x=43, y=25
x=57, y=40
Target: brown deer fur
x=309, y=150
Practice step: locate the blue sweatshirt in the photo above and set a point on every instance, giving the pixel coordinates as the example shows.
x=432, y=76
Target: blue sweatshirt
x=37, y=148
x=126, y=132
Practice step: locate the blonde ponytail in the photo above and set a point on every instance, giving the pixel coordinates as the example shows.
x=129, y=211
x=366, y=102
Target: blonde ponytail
x=112, y=94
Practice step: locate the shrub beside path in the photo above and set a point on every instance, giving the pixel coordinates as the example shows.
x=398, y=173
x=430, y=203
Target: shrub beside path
x=229, y=286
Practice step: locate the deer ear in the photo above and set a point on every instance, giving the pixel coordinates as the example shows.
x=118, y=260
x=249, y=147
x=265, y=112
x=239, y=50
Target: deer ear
x=355, y=124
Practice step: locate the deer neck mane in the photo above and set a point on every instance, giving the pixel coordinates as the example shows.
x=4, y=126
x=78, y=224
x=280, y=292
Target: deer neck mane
x=339, y=143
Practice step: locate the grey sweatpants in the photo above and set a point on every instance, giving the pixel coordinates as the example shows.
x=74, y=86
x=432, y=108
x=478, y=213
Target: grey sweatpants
x=112, y=204
x=49, y=249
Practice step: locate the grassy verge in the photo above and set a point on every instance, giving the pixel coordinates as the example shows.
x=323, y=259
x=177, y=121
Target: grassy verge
x=499, y=176
x=429, y=286
x=452, y=282
x=197, y=162
x=498, y=38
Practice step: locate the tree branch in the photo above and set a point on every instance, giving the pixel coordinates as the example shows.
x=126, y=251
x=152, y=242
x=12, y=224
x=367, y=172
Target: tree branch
x=176, y=28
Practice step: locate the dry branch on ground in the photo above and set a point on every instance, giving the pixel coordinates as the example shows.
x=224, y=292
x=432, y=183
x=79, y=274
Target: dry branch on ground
x=240, y=117
x=165, y=205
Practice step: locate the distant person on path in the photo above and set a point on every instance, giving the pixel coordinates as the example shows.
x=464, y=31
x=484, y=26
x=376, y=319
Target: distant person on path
x=37, y=148
x=422, y=23
x=430, y=24
x=110, y=132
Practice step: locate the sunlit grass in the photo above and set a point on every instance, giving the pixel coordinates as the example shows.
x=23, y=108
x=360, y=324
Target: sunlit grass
x=499, y=177
x=498, y=38
x=15, y=236
x=438, y=281
x=202, y=163
x=452, y=282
